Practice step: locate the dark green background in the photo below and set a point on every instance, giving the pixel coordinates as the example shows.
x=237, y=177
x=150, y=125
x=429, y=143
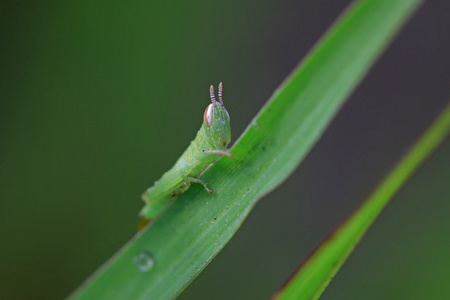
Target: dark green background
x=98, y=99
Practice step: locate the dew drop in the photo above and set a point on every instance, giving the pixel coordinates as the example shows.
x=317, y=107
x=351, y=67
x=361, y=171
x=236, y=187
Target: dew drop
x=144, y=261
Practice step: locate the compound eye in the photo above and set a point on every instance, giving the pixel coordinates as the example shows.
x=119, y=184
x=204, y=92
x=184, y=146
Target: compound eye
x=207, y=116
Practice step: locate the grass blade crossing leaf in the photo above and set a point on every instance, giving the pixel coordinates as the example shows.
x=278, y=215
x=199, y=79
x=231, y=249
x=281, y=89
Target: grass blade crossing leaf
x=194, y=229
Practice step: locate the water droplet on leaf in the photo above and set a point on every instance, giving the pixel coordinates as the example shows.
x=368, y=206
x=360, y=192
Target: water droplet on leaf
x=144, y=261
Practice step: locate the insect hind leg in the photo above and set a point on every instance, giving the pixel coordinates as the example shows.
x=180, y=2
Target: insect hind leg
x=196, y=180
x=219, y=152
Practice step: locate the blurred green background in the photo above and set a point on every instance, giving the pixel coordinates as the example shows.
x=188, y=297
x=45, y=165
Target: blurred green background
x=98, y=99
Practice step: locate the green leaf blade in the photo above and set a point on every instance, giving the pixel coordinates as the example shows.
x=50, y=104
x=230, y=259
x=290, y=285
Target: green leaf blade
x=313, y=275
x=194, y=229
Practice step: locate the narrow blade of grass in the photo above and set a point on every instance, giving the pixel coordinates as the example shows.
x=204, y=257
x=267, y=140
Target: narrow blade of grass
x=314, y=274
x=193, y=230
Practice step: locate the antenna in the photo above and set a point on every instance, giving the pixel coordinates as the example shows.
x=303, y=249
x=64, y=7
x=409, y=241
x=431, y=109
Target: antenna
x=211, y=94
x=220, y=93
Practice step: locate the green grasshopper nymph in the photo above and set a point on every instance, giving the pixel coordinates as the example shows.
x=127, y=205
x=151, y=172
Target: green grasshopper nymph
x=210, y=143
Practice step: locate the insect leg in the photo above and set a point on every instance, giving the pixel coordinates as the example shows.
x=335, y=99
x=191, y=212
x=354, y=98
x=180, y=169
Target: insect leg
x=220, y=152
x=191, y=179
